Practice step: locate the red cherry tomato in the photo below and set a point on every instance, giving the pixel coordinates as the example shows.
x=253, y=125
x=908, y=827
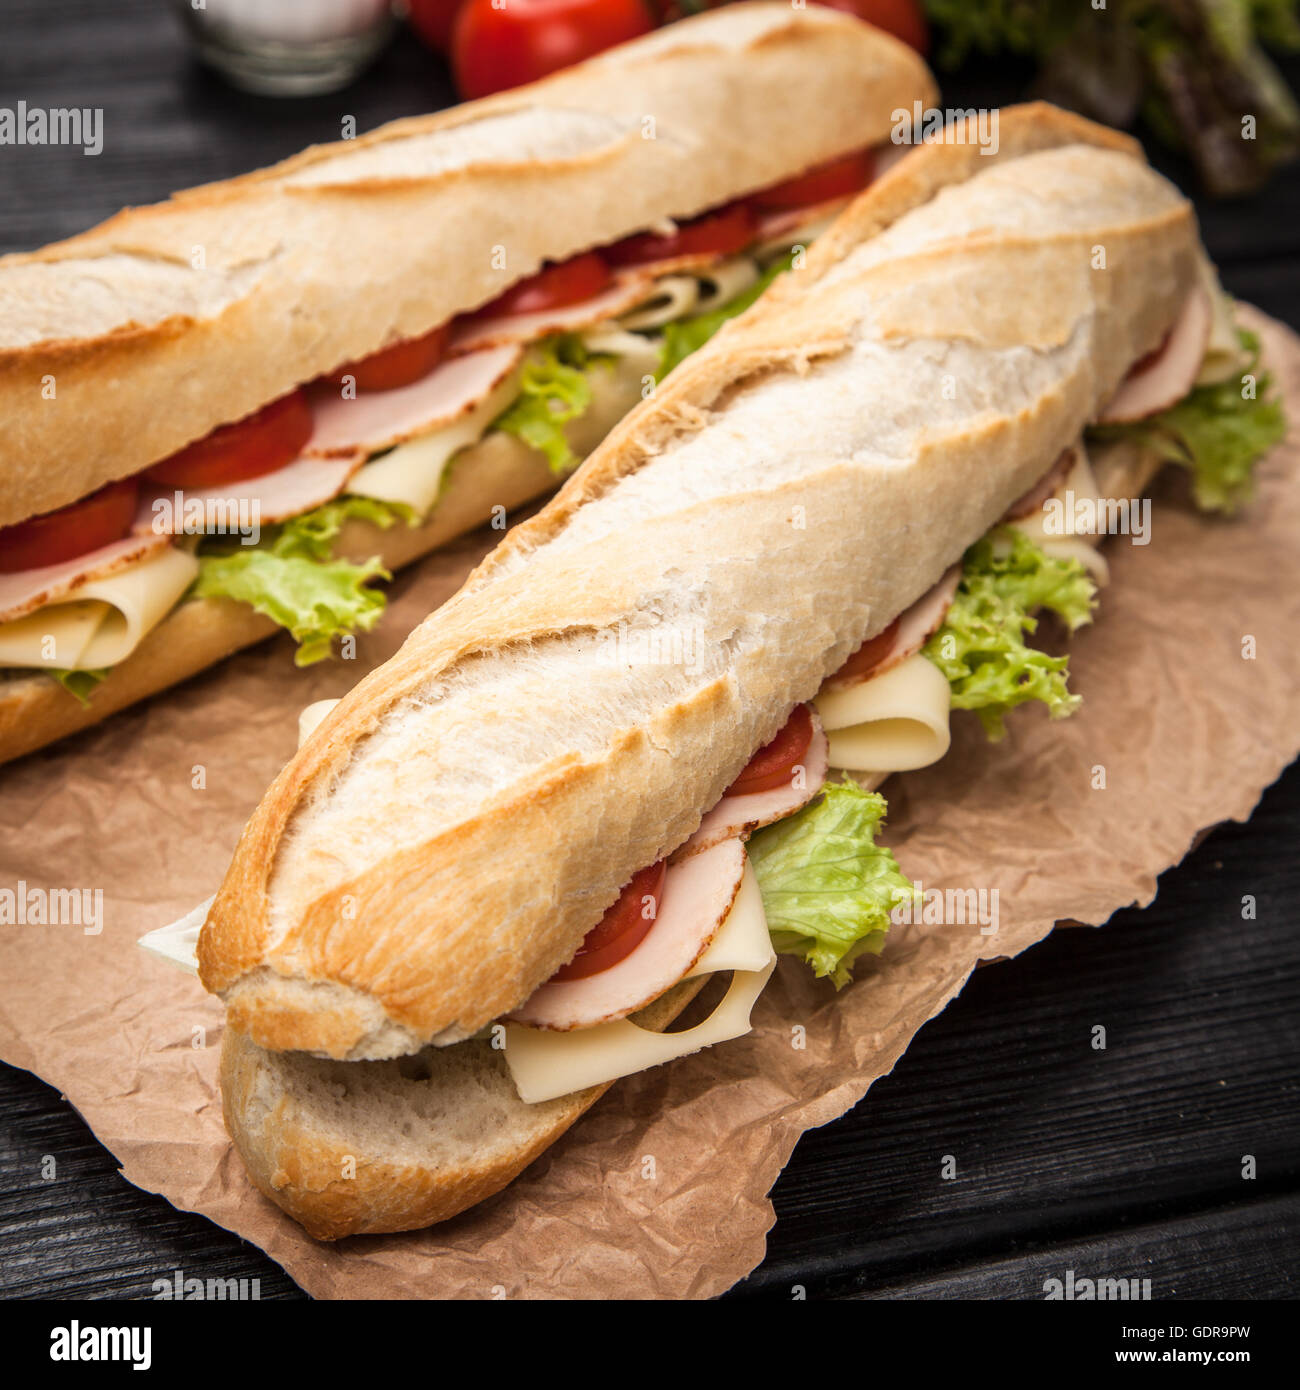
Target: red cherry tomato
x=902, y=18
x=553, y=286
x=98, y=520
x=260, y=443
x=434, y=21
x=838, y=179
x=720, y=233
x=869, y=655
x=774, y=763
x=494, y=48
x=398, y=365
x=622, y=929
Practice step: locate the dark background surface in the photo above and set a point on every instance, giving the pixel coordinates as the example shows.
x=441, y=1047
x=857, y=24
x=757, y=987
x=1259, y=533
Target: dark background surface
x=1120, y=1163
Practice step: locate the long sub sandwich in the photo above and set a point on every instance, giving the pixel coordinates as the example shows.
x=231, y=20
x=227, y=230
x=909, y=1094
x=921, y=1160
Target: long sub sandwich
x=237, y=411
x=612, y=766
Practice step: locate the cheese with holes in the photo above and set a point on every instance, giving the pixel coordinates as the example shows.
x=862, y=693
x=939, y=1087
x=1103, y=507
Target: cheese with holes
x=674, y=297
x=106, y=622
x=545, y=1064
x=894, y=722
x=721, y=283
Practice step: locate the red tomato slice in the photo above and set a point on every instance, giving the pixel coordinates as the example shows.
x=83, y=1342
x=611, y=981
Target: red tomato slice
x=774, y=763
x=496, y=46
x=837, y=179
x=869, y=655
x=622, y=929
x=259, y=443
x=720, y=233
x=552, y=287
x=98, y=520
x=398, y=365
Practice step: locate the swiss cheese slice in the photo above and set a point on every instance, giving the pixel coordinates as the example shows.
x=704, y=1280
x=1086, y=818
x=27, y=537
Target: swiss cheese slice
x=107, y=620
x=696, y=292
x=178, y=942
x=546, y=1064
x=894, y=722
x=1064, y=541
x=674, y=297
x=721, y=283
x=311, y=716
x=411, y=474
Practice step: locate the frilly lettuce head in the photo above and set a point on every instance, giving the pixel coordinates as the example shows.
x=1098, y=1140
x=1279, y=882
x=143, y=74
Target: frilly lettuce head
x=827, y=887
x=981, y=646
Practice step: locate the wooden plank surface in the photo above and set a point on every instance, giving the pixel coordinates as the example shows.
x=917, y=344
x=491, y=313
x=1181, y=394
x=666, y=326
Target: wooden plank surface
x=1115, y=1163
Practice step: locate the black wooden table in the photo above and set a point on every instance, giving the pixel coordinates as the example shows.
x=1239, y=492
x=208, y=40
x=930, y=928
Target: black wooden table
x=1126, y=1163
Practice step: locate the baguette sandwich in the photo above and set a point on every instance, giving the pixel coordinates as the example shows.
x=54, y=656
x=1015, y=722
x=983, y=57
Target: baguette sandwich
x=236, y=411
x=638, y=749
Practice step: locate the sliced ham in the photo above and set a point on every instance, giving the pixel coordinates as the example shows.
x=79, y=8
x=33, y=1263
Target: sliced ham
x=697, y=895
x=28, y=590
x=739, y=816
x=295, y=488
x=379, y=419
x=786, y=220
x=669, y=265
x=473, y=334
x=916, y=625
x=1046, y=487
x=1162, y=379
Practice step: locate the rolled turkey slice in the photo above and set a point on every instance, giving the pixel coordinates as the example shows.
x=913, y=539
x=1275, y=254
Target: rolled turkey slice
x=915, y=626
x=473, y=334
x=1159, y=381
x=377, y=420
x=786, y=220
x=739, y=816
x=28, y=590
x=697, y=895
x=1046, y=487
x=288, y=491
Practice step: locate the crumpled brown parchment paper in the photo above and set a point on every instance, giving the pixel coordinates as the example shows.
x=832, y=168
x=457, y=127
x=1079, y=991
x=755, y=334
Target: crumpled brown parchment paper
x=148, y=808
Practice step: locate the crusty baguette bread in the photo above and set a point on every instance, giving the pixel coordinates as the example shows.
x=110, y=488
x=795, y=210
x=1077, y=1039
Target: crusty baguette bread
x=452, y=830
x=499, y=471
x=167, y=321
x=361, y=1147
x=432, y=1135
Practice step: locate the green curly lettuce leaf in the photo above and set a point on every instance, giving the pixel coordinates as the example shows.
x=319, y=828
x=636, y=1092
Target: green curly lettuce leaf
x=1006, y=579
x=313, y=533
x=1215, y=431
x=553, y=390
x=292, y=579
x=827, y=887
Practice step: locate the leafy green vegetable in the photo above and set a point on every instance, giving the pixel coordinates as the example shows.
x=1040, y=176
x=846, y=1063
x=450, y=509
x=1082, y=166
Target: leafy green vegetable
x=1193, y=68
x=291, y=578
x=317, y=600
x=1216, y=432
x=981, y=649
x=79, y=684
x=685, y=336
x=827, y=887
x=313, y=533
x=553, y=389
